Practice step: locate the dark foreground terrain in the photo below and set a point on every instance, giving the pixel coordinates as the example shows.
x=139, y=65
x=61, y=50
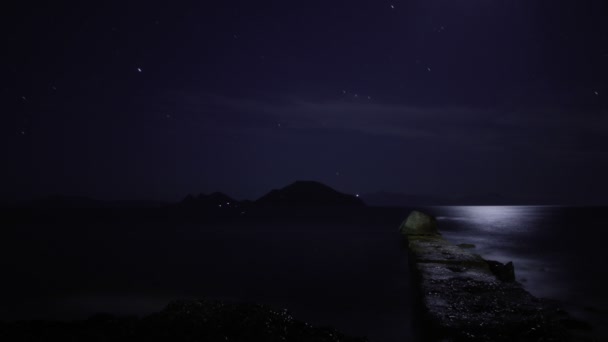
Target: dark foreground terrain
x=199, y=320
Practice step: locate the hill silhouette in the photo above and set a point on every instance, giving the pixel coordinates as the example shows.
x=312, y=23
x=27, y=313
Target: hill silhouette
x=307, y=193
x=67, y=202
x=389, y=199
x=214, y=200
x=297, y=194
x=82, y=202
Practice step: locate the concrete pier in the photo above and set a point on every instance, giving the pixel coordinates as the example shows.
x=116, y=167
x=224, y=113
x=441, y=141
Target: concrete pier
x=463, y=299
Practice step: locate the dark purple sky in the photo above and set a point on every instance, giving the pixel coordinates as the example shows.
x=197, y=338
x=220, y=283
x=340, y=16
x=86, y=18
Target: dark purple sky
x=432, y=97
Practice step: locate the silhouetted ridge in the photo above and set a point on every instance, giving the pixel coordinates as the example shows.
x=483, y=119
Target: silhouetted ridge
x=82, y=202
x=387, y=199
x=384, y=198
x=67, y=202
x=308, y=193
x=214, y=200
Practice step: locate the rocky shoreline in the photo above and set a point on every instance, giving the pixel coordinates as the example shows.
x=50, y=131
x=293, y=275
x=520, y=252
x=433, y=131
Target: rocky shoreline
x=463, y=297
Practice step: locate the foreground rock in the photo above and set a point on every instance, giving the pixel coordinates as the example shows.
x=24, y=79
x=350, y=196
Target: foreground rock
x=466, y=298
x=419, y=223
x=199, y=320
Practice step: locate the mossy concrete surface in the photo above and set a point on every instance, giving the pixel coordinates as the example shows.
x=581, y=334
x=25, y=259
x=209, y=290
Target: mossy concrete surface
x=462, y=300
x=419, y=223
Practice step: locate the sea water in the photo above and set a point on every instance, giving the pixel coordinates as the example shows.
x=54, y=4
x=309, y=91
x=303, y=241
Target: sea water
x=353, y=277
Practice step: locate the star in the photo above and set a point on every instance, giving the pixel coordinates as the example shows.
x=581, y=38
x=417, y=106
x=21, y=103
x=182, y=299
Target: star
x=22, y=132
x=337, y=173
x=139, y=70
x=357, y=195
x=596, y=93
x=23, y=98
x=428, y=69
x=392, y=6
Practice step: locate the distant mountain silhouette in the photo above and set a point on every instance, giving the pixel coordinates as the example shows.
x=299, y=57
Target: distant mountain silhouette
x=59, y=202
x=390, y=199
x=308, y=193
x=212, y=201
x=394, y=199
x=81, y=202
x=297, y=194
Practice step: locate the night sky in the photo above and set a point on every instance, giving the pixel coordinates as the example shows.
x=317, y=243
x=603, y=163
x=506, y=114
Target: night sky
x=431, y=97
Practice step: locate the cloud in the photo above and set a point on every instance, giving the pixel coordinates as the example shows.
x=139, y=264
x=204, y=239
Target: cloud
x=556, y=130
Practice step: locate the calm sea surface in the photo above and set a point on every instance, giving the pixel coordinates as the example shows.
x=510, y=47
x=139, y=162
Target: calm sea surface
x=559, y=252
x=352, y=277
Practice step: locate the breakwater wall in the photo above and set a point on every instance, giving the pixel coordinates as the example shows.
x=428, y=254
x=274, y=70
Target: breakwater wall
x=463, y=297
